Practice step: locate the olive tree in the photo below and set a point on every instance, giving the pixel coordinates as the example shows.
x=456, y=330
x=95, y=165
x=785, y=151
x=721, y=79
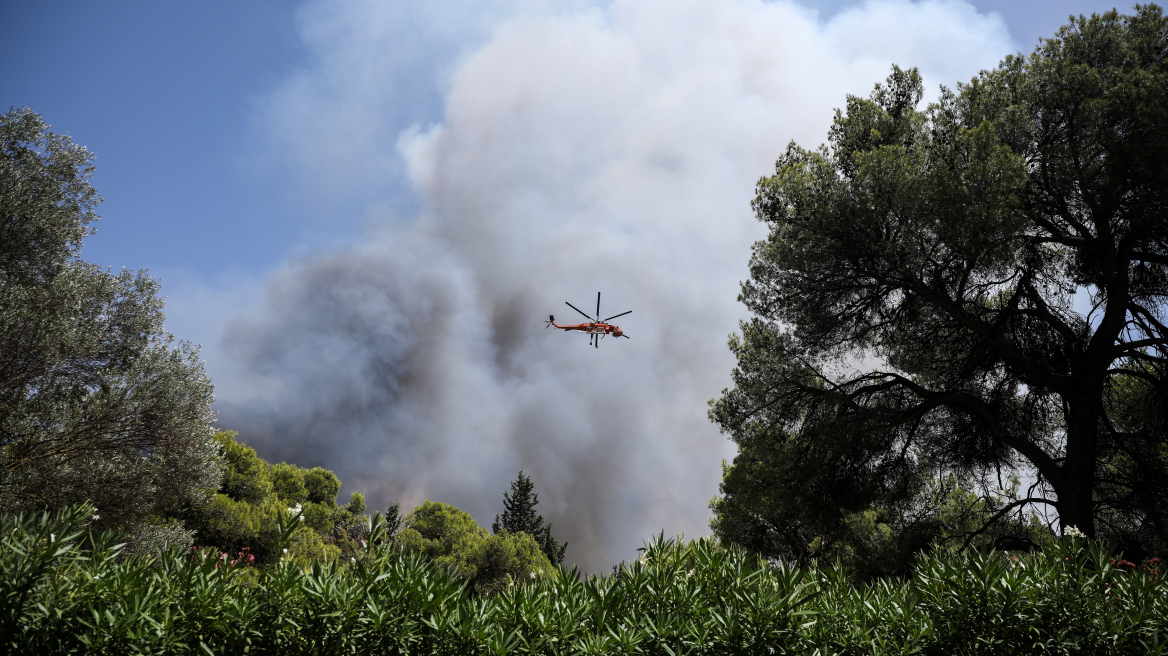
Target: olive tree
x=97, y=401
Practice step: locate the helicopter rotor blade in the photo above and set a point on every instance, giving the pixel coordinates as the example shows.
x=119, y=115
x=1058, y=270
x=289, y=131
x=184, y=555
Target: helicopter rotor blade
x=598, y=306
x=617, y=315
x=578, y=310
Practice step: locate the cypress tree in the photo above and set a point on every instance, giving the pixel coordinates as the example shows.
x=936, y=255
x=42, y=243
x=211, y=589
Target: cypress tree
x=519, y=515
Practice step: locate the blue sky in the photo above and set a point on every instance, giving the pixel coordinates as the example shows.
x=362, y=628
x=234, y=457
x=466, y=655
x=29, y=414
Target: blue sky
x=166, y=94
x=363, y=210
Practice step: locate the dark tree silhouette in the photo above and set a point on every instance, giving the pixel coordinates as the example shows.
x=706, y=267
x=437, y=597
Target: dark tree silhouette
x=973, y=289
x=519, y=515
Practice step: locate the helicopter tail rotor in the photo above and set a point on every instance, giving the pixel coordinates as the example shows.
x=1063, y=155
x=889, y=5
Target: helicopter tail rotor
x=550, y=322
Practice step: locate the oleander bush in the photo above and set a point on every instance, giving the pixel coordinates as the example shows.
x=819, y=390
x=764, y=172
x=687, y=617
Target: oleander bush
x=66, y=590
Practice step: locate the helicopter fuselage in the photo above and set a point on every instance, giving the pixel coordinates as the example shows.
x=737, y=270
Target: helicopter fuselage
x=596, y=328
x=592, y=328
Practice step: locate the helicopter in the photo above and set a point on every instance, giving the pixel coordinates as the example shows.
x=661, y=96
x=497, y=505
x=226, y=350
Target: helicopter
x=595, y=327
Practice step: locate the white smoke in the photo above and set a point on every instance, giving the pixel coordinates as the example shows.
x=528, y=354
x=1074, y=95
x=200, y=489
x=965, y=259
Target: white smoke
x=611, y=148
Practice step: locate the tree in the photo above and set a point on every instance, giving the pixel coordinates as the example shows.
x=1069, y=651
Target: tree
x=519, y=516
x=452, y=538
x=253, y=496
x=972, y=290
x=97, y=401
x=393, y=519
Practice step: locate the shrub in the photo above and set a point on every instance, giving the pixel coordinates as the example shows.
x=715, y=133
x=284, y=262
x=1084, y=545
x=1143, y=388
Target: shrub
x=58, y=595
x=255, y=495
x=246, y=478
x=356, y=504
x=322, y=486
x=451, y=538
x=288, y=482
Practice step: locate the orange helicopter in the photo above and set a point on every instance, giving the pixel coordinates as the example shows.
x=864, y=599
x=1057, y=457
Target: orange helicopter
x=595, y=327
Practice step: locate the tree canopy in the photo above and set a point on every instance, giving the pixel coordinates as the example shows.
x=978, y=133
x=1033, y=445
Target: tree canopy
x=97, y=401
x=452, y=538
x=952, y=296
x=519, y=515
x=244, y=513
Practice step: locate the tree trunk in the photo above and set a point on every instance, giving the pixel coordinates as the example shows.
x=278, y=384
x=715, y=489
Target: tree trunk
x=1075, y=486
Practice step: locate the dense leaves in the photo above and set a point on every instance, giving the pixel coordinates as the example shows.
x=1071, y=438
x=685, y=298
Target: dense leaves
x=97, y=402
x=696, y=598
x=452, y=539
x=46, y=199
x=254, y=496
x=519, y=515
x=969, y=292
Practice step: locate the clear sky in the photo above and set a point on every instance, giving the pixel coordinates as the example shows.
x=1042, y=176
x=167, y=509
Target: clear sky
x=363, y=209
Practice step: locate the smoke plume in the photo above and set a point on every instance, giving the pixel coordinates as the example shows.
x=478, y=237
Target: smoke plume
x=611, y=148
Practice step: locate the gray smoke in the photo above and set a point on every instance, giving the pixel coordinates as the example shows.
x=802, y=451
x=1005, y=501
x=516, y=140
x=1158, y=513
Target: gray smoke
x=609, y=150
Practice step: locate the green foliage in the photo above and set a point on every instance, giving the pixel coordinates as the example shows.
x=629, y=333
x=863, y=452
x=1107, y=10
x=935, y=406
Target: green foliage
x=246, y=478
x=393, y=519
x=356, y=503
x=519, y=516
x=519, y=508
x=288, y=482
x=233, y=525
x=48, y=203
x=322, y=486
x=58, y=596
x=506, y=558
x=97, y=402
x=308, y=547
x=317, y=517
x=960, y=516
x=915, y=312
x=451, y=538
x=253, y=498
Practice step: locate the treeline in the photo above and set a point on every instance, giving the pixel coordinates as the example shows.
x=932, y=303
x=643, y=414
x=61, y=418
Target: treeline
x=697, y=598
x=242, y=523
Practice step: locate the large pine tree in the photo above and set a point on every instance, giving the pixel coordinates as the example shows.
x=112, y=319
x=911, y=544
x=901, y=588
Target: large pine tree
x=970, y=290
x=519, y=515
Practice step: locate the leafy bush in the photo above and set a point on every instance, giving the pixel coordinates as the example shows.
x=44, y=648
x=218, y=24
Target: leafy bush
x=58, y=596
x=254, y=496
x=322, y=486
x=246, y=478
x=451, y=538
x=288, y=482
